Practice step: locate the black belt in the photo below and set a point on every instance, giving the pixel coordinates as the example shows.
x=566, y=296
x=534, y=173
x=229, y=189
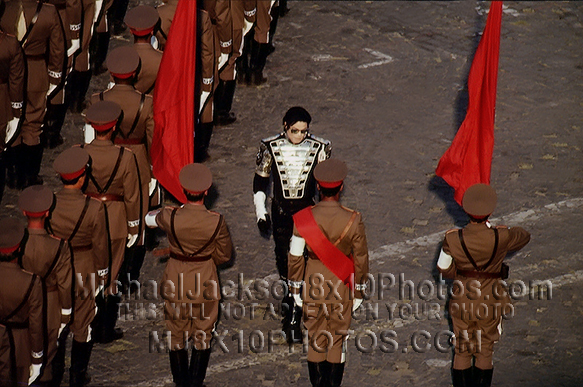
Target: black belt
x=82, y=248
x=478, y=274
x=105, y=197
x=186, y=258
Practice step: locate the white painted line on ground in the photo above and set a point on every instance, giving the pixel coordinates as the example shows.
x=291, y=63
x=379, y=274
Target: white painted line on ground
x=384, y=59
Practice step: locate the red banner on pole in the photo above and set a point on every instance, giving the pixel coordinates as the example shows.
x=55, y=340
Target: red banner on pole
x=468, y=160
x=174, y=102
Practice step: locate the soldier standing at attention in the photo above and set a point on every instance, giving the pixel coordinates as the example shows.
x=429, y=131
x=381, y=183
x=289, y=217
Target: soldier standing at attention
x=37, y=26
x=474, y=256
x=82, y=221
x=199, y=241
x=290, y=157
x=49, y=258
x=335, y=241
x=115, y=180
x=166, y=11
x=21, y=323
x=12, y=87
x=135, y=132
x=141, y=20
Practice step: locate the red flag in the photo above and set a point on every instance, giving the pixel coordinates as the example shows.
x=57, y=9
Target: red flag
x=174, y=106
x=468, y=160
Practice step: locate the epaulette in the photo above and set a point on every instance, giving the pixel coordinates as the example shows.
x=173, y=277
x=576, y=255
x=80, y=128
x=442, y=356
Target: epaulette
x=349, y=210
x=272, y=138
x=319, y=139
x=452, y=230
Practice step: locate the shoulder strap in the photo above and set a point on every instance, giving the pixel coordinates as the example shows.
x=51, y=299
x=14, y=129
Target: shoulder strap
x=138, y=114
x=173, y=230
x=101, y=96
x=57, y=256
x=80, y=220
x=212, y=238
x=26, y=296
x=150, y=88
x=32, y=23
x=467, y=252
x=345, y=231
x=111, y=177
x=101, y=13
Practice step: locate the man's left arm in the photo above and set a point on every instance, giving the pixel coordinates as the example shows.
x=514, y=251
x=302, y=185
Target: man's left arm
x=132, y=197
x=360, y=256
x=223, y=243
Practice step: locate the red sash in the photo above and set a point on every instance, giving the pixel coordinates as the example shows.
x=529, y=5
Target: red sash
x=334, y=259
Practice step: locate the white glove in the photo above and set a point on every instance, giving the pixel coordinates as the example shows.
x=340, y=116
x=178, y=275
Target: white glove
x=203, y=97
x=51, y=89
x=34, y=372
x=223, y=60
x=298, y=300
x=154, y=42
x=98, y=5
x=99, y=289
x=11, y=129
x=152, y=185
x=63, y=325
x=75, y=45
x=259, y=201
x=150, y=218
x=88, y=133
x=356, y=304
x=132, y=238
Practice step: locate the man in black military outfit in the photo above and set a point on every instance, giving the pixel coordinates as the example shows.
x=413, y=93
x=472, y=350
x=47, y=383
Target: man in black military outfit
x=290, y=158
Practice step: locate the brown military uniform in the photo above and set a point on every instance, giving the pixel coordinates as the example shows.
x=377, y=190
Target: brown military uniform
x=89, y=247
x=151, y=59
x=50, y=258
x=120, y=193
x=195, y=310
x=46, y=36
x=21, y=333
x=472, y=314
x=134, y=135
x=166, y=12
x=11, y=81
x=208, y=59
x=324, y=311
x=263, y=20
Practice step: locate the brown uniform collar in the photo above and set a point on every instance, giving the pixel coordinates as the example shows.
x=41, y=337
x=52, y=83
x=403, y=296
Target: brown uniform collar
x=196, y=207
x=37, y=231
x=98, y=142
x=329, y=203
x=70, y=192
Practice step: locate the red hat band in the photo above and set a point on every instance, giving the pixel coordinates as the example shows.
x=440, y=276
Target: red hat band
x=104, y=127
x=123, y=76
x=9, y=250
x=73, y=175
x=330, y=184
x=141, y=32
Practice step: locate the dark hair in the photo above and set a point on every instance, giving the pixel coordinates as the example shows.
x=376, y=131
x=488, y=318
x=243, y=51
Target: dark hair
x=329, y=192
x=193, y=198
x=296, y=114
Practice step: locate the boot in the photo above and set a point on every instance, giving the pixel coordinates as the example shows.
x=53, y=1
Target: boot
x=223, y=102
x=105, y=331
x=202, y=141
x=179, y=367
x=315, y=371
x=151, y=240
x=54, y=120
x=98, y=48
x=80, y=355
x=243, y=66
x=462, y=378
x=116, y=14
x=275, y=13
x=482, y=378
x=77, y=88
x=199, y=362
x=9, y=160
x=2, y=174
x=34, y=156
x=259, y=52
x=292, y=318
x=335, y=375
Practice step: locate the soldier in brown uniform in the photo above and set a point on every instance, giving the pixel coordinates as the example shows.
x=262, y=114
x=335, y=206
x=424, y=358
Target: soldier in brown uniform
x=135, y=132
x=70, y=12
x=12, y=89
x=21, y=305
x=82, y=221
x=115, y=180
x=474, y=257
x=199, y=241
x=166, y=11
x=49, y=258
x=38, y=28
x=244, y=15
x=259, y=46
x=331, y=234
x=141, y=20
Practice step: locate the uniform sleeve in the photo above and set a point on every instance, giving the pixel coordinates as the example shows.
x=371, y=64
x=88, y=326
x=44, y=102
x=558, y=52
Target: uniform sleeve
x=224, y=244
x=64, y=277
x=207, y=54
x=224, y=23
x=295, y=265
x=263, y=169
x=449, y=271
x=35, y=320
x=16, y=79
x=74, y=14
x=100, y=240
x=58, y=51
x=517, y=238
x=149, y=125
x=360, y=257
x=132, y=193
